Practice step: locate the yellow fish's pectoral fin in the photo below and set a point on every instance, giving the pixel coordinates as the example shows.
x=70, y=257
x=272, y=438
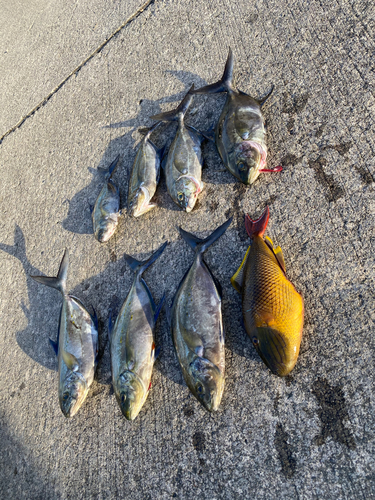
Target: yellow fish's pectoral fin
x=277, y=252
x=237, y=278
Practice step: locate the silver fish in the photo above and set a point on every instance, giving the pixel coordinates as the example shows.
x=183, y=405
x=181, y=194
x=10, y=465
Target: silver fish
x=197, y=326
x=107, y=206
x=240, y=134
x=145, y=176
x=183, y=167
x=76, y=346
x=132, y=341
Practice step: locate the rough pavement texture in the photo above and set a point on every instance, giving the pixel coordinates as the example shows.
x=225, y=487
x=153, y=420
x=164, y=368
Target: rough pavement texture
x=308, y=436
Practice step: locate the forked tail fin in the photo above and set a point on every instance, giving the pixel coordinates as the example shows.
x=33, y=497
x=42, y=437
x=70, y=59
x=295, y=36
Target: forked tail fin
x=257, y=227
x=58, y=282
x=179, y=112
x=200, y=245
x=223, y=85
x=138, y=266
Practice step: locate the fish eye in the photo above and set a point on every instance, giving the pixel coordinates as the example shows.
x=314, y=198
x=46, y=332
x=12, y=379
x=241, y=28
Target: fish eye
x=241, y=166
x=199, y=388
x=123, y=398
x=65, y=396
x=255, y=340
x=180, y=196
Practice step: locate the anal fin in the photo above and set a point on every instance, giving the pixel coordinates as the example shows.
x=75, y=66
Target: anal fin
x=237, y=278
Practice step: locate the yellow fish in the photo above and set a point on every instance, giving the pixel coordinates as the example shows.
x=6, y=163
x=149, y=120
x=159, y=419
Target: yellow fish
x=272, y=308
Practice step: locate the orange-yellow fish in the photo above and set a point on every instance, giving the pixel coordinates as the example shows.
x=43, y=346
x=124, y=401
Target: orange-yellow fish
x=272, y=308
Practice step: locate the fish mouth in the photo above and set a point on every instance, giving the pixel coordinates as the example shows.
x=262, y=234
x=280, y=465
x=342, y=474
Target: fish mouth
x=274, y=350
x=106, y=228
x=136, y=209
x=248, y=168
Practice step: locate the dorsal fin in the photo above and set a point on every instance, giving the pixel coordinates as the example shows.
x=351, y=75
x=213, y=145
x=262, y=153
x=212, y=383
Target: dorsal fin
x=237, y=278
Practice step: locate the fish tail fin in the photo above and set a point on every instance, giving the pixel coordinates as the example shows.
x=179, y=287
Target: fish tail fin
x=223, y=85
x=58, y=282
x=257, y=227
x=107, y=172
x=151, y=129
x=140, y=266
x=200, y=245
x=180, y=111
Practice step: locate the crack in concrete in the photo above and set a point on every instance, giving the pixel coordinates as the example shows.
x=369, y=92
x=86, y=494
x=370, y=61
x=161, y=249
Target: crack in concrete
x=44, y=101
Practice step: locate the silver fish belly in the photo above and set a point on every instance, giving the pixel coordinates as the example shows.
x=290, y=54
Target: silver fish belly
x=106, y=212
x=183, y=169
x=144, y=179
x=79, y=337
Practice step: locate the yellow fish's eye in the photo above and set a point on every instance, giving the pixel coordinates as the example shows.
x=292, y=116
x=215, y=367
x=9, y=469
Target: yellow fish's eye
x=255, y=340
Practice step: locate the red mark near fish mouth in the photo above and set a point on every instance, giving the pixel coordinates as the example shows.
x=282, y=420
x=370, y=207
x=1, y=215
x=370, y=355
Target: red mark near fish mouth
x=272, y=170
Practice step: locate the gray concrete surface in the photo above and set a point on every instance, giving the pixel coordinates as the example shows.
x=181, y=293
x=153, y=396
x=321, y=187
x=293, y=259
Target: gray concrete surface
x=308, y=436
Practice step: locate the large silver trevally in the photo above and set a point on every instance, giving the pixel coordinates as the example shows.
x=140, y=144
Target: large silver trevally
x=145, y=176
x=132, y=341
x=76, y=346
x=183, y=167
x=240, y=134
x=197, y=326
x=106, y=210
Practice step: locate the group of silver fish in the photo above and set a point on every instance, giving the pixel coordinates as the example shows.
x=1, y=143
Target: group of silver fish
x=240, y=140
x=272, y=308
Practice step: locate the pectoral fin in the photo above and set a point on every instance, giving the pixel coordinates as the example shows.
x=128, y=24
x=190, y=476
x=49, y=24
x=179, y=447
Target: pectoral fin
x=70, y=360
x=237, y=278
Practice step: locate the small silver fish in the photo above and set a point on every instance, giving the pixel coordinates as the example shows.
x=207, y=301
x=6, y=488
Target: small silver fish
x=240, y=134
x=76, y=346
x=132, y=341
x=183, y=167
x=145, y=176
x=197, y=326
x=106, y=210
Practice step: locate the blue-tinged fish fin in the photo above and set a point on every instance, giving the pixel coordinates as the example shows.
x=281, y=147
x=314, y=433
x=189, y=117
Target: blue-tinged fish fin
x=153, y=305
x=54, y=346
x=216, y=281
x=199, y=350
x=110, y=326
x=200, y=135
x=139, y=266
x=157, y=352
x=58, y=282
x=107, y=172
x=79, y=302
x=264, y=99
x=159, y=307
x=201, y=245
x=94, y=317
x=161, y=151
x=175, y=114
x=91, y=207
x=223, y=85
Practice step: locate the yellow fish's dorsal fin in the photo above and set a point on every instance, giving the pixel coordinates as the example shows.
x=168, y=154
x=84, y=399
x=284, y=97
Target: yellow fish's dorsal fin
x=277, y=252
x=237, y=278
x=280, y=258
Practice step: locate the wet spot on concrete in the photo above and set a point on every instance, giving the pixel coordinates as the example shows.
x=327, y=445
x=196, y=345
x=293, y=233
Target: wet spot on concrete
x=320, y=130
x=276, y=402
x=214, y=206
x=251, y=18
x=113, y=256
x=366, y=177
x=15, y=471
x=342, y=148
x=290, y=125
x=284, y=450
x=188, y=412
x=333, y=190
x=22, y=386
x=290, y=159
x=199, y=441
x=332, y=413
x=288, y=380
x=271, y=200
x=297, y=105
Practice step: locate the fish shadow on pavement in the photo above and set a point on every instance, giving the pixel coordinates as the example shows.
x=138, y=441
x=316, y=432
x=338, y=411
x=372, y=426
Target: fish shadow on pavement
x=203, y=112
x=43, y=311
